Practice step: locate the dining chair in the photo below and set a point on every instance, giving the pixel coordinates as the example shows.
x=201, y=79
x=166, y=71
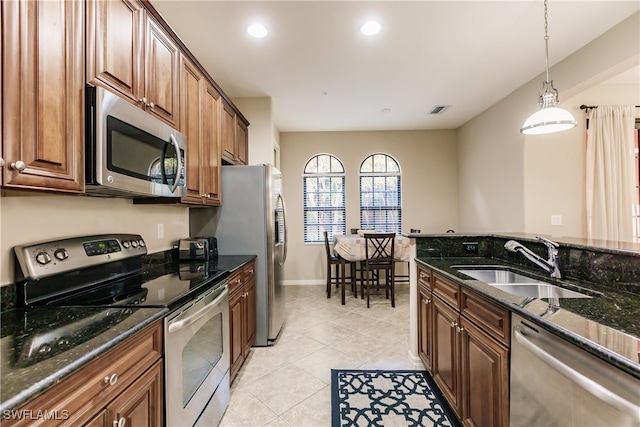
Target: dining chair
x=332, y=260
x=379, y=257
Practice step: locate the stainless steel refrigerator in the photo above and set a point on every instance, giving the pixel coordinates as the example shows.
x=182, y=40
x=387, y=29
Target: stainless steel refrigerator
x=251, y=221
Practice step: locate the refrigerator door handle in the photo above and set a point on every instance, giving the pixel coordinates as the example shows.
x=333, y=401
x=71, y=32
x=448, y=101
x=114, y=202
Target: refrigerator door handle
x=283, y=258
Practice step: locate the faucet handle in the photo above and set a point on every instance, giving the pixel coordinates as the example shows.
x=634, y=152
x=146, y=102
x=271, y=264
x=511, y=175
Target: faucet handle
x=549, y=243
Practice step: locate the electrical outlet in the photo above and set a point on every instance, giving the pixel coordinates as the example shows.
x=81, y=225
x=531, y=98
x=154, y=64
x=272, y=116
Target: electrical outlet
x=160, y=230
x=470, y=247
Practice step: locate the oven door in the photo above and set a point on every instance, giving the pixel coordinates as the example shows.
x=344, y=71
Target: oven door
x=197, y=358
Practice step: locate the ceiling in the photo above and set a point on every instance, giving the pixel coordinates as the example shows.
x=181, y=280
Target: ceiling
x=322, y=74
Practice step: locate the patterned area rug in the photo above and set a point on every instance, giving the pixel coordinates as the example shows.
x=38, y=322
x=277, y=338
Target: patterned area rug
x=387, y=398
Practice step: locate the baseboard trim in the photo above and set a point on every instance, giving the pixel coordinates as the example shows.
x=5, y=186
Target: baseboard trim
x=303, y=282
x=417, y=362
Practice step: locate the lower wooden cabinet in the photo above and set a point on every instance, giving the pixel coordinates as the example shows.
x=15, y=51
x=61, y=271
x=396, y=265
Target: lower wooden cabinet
x=125, y=383
x=464, y=343
x=242, y=315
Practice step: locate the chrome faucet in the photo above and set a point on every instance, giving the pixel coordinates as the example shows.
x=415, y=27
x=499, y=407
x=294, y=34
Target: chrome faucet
x=552, y=265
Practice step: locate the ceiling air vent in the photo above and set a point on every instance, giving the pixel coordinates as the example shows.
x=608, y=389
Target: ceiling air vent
x=439, y=109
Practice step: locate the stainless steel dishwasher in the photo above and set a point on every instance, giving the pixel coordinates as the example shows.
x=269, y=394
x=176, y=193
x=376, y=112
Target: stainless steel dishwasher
x=555, y=383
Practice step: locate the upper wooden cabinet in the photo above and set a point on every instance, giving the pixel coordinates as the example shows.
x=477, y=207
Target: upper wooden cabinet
x=234, y=136
x=43, y=98
x=200, y=122
x=129, y=53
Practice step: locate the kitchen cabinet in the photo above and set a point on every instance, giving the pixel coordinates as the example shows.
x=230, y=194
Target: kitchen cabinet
x=43, y=95
x=129, y=53
x=463, y=340
x=125, y=383
x=199, y=121
x=242, y=315
x=234, y=135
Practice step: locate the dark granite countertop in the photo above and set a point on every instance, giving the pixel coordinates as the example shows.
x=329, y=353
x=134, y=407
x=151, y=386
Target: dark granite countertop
x=25, y=373
x=88, y=333
x=607, y=325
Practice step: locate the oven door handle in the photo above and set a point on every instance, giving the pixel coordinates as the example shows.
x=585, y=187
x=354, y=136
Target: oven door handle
x=180, y=324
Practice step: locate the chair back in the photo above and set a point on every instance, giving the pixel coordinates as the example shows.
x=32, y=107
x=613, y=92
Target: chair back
x=326, y=244
x=379, y=248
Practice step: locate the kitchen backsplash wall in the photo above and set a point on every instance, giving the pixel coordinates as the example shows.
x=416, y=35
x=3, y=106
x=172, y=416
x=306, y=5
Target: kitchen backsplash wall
x=30, y=218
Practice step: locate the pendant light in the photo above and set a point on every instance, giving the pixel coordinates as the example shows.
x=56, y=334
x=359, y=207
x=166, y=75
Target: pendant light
x=549, y=118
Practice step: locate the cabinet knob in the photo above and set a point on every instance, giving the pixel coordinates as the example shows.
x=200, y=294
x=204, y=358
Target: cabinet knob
x=111, y=380
x=459, y=329
x=1, y=162
x=19, y=165
x=119, y=423
x=427, y=301
x=454, y=324
x=151, y=105
x=143, y=100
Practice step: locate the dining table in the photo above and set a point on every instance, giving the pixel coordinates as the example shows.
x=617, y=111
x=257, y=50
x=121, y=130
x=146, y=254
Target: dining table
x=351, y=248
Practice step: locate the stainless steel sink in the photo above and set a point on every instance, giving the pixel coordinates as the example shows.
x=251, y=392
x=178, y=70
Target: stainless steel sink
x=518, y=284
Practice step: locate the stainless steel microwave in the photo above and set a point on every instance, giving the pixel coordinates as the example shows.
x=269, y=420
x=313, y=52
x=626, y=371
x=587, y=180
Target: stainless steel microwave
x=130, y=153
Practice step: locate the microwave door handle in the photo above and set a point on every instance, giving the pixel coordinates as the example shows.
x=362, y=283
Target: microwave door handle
x=576, y=377
x=176, y=180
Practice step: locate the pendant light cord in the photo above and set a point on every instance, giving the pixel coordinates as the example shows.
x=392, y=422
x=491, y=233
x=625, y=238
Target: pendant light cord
x=546, y=37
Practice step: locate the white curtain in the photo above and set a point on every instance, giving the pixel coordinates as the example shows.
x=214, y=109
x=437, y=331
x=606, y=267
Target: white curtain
x=611, y=192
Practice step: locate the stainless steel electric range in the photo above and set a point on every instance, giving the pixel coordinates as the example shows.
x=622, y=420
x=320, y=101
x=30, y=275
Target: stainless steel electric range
x=110, y=271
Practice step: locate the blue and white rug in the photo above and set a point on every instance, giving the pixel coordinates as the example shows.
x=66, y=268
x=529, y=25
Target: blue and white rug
x=387, y=398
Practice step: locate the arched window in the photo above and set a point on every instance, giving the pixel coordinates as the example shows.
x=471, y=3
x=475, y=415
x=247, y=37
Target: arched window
x=323, y=192
x=380, y=194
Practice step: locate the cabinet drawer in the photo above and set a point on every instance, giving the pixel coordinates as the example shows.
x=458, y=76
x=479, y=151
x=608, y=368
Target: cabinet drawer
x=248, y=271
x=91, y=388
x=447, y=290
x=491, y=318
x=424, y=277
x=235, y=281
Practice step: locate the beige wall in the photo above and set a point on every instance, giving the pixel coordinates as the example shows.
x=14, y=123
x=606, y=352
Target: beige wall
x=429, y=188
x=25, y=219
x=511, y=182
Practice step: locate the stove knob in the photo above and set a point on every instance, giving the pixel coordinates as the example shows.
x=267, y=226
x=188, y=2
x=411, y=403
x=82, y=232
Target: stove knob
x=141, y=243
x=43, y=258
x=44, y=348
x=126, y=244
x=61, y=254
x=134, y=243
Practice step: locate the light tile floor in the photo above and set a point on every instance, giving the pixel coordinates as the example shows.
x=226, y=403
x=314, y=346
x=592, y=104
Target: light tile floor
x=289, y=383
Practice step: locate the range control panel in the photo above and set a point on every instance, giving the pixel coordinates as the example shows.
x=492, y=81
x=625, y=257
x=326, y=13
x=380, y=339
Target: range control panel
x=44, y=259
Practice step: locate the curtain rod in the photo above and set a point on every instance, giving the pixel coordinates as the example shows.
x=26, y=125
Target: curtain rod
x=587, y=107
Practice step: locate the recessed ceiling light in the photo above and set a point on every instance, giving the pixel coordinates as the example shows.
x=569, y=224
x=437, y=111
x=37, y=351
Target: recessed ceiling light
x=385, y=110
x=257, y=30
x=370, y=28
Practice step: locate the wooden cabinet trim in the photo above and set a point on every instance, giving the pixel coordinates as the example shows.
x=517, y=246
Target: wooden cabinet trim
x=447, y=290
x=492, y=318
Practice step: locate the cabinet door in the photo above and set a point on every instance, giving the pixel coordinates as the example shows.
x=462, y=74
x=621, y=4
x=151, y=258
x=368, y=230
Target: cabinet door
x=191, y=126
x=242, y=142
x=228, y=133
x=43, y=99
x=211, y=156
x=140, y=405
x=235, y=332
x=485, y=378
x=161, y=74
x=425, y=326
x=446, y=350
x=99, y=420
x=115, y=45
x=250, y=314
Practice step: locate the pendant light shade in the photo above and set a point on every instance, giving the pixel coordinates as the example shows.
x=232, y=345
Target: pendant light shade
x=549, y=118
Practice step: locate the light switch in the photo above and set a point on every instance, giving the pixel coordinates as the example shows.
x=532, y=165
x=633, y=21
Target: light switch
x=556, y=219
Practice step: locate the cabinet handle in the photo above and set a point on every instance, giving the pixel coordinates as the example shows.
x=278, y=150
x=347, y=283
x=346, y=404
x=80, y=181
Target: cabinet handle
x=111, y=380
x=151, y=105
x=119, y=423
x=459, y=329
x=454, y=324
x=19, y=165
x=1, y=162
x=143, y=100
x=427, y=301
